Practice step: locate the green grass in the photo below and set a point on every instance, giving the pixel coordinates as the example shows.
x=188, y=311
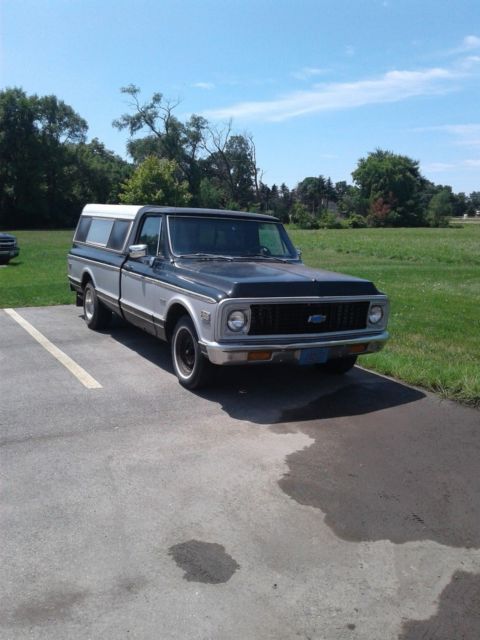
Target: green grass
x=432, y=277
x=38, y=276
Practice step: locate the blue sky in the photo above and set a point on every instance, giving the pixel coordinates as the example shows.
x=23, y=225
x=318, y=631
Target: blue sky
x=318, y=84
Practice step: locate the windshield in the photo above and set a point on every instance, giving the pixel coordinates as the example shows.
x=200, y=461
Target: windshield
x=219, y=237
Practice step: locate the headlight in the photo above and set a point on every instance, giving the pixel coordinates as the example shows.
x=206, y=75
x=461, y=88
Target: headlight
x=236, y=320
x=375, y=314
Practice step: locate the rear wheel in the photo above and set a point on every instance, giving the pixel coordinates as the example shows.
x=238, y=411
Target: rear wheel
x=96, y=315
x=192, y=368
x=339, y=366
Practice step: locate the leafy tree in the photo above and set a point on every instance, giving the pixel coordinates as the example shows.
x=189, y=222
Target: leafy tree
x=309, y=193
x=231, y=164
x=156, y=181
x=38, y=139
x=474, y=200
x=440, y=209
x=98, y=175
x=201, y=151
x=303, y=218
x=211, y=196
x=20, y=154
x=392, y=184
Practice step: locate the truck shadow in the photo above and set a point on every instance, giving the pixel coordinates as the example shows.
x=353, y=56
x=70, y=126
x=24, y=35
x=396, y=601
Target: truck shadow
x=386, y=461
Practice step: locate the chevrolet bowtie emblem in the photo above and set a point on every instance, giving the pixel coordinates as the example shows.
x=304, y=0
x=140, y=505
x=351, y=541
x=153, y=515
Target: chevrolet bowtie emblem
x=318, y=319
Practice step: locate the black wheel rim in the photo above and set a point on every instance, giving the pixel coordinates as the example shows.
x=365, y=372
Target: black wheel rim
x=185, y=352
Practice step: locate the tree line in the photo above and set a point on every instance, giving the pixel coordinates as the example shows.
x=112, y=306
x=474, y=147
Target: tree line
x=48, y=171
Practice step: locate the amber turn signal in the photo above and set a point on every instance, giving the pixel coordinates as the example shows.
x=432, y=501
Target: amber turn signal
x=255, y=356
x=358, y=348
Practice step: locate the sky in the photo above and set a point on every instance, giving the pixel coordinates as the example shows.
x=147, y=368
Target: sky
x=319, y=84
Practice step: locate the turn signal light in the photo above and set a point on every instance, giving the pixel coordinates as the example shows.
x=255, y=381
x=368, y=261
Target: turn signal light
x=358, y=348
x=255, y=356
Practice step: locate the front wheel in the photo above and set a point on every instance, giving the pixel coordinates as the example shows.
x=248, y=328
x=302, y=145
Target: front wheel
x=96, y=315
x=192, y=368
x=339, y=366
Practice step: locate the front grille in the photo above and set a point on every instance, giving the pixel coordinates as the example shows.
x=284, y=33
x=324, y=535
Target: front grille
x=7, y=243
x=287, y=319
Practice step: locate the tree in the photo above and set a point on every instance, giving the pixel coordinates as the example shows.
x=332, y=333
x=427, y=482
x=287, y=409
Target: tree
x=392, y=184
x=309, y=193
x=20, y=170
x=440, y=209
x=231, y=163
x=156, y=181
x=38, y=140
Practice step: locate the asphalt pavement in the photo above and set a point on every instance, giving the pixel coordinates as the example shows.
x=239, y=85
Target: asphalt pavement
x=281, y=503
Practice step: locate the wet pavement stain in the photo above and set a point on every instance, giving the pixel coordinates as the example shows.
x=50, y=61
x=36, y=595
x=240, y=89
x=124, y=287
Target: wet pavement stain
x=458, y=615
x=404, y=474
x=53, y=606
x=204, y=561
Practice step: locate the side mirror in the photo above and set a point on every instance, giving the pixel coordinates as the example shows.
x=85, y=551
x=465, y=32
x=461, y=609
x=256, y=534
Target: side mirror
x=299, y=252
x=137, y=251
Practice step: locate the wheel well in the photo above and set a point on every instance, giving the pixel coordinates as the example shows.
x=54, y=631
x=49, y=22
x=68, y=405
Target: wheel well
x=175, y=312
x=86, y=278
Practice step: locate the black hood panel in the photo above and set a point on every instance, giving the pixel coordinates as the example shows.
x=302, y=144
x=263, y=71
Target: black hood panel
x=241, y=279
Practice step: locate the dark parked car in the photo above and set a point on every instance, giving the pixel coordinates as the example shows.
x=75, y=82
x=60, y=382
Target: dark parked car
x=8, y=248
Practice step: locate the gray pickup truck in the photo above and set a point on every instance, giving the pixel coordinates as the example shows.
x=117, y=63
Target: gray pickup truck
x=222, y=287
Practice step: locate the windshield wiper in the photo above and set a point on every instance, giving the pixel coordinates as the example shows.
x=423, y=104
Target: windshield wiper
x=206, y=256
x=261, y=256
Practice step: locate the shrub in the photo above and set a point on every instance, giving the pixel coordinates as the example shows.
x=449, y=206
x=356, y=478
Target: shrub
x=355, y=221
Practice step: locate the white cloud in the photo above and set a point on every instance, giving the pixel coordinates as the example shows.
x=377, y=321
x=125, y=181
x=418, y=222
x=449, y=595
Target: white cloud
x=470, y=43
x=465, y=134
x=308, y=72
x=441, y=167
x=438, y=167
x=393, y=86
x=204, y=85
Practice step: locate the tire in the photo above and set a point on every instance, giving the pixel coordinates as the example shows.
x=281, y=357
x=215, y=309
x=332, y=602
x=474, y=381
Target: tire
x=4, y=260
x=96, y=315
x=339, y=366
x=191, y=367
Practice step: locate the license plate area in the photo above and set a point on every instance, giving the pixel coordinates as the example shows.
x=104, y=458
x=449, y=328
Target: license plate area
x=315, y=355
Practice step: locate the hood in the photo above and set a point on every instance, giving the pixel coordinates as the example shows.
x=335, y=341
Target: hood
x=7, y=236
x=243, y=279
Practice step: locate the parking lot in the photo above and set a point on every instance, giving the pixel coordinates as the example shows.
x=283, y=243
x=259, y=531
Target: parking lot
x=281, y=503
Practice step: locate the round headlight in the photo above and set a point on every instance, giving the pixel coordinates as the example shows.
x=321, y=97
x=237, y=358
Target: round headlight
x=375, y=314
x=236, y=320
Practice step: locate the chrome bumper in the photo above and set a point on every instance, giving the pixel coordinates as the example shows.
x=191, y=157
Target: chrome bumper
x=291, y=352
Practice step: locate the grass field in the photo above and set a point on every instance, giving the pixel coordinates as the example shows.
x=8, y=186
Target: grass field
x=39, y=275
x=432, y=277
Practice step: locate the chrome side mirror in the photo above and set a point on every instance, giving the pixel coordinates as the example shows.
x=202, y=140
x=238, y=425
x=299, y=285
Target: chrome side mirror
x=299, y=252
x=137, y=251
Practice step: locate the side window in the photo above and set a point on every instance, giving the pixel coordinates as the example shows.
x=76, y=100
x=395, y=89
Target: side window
x=150, y=234
x=118, y=235
x=270, y=238
x=83, y=228
x=99, y=231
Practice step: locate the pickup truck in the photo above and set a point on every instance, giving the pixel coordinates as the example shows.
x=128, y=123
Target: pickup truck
x=222, y=287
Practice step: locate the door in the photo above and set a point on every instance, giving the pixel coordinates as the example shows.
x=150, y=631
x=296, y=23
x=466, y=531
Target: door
x=138, y=288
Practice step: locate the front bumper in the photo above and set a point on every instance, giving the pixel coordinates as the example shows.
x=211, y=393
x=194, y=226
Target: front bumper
x=9, y=253
x=336, y=347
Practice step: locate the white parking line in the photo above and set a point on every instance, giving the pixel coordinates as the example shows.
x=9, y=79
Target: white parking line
x=81, y=375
